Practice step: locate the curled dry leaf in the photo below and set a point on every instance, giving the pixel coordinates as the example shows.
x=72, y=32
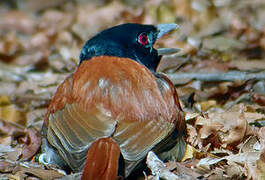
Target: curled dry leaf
x=193, y=136
x=222, y=129
x=240, y=158
x=30, y=138
x=191, y=153
x=32, y=142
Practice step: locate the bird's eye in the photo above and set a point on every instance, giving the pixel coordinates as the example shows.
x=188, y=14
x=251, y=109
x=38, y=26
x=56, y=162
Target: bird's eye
x=143, y=39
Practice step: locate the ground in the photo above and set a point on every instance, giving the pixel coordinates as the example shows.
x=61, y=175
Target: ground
x=219, y=76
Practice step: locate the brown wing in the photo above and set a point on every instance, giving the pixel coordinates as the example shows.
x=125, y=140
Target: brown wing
x=173, y=147
x=171, y=98
x=109, y=97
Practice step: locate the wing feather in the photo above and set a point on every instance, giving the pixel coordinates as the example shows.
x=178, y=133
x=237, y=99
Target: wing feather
x=128, y=104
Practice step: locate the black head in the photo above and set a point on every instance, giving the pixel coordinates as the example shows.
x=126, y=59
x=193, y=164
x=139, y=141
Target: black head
x=134, y=41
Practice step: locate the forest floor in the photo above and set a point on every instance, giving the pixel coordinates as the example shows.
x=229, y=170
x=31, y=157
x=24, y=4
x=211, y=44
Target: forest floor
x=219, y=76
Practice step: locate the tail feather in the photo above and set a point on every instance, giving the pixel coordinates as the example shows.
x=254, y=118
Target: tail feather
x=102, y=160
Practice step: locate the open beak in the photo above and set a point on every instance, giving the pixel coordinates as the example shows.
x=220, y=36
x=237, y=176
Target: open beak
x=162, y=30
x=165, y=28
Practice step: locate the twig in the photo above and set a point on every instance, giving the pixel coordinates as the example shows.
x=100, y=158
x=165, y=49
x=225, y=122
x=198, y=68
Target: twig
x=180, y=78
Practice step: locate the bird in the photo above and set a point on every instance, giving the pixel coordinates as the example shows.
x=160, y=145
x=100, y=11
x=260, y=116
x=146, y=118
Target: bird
x=114, y=108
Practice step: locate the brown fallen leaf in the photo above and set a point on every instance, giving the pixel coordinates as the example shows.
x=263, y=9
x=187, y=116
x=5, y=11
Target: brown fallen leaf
x=30, y=138
x=240, y=158
x=32, y=142
x=193, y=138
x=183, y=169
x=222, y=129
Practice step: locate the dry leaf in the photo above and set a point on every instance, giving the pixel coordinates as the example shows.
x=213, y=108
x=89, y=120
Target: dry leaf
x=222, y=129
x=32, y=143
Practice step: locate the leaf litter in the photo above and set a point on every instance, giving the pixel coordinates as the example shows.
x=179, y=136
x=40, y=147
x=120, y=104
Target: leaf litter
x=40, y=44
